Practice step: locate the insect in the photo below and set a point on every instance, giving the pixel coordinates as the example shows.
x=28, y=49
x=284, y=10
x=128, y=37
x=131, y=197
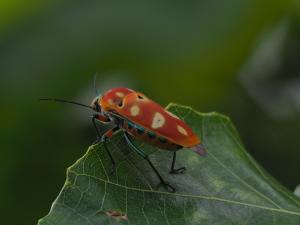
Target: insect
x=141, y=118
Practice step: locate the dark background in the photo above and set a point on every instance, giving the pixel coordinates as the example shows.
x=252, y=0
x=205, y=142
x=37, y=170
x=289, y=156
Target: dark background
x=240, y=58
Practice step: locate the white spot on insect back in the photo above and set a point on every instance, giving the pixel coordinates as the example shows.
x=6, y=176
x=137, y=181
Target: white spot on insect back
x=120, y=94
x=158, y=120
x=171, y=114
x=182, y=130
x=134, y=110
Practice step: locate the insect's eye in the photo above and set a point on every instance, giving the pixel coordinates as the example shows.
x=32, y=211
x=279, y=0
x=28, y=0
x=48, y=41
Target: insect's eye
x=120, y=104
x=98, y=108
x=140, y=97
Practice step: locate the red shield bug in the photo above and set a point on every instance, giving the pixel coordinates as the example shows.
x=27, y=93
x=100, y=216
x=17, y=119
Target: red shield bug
x=141, y=118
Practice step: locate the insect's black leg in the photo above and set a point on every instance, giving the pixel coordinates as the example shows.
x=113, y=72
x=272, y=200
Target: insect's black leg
x=94, y=118
x=142, y=154
x=103, y=139
x=108, y=134
x=176, y=171
x=113, y=162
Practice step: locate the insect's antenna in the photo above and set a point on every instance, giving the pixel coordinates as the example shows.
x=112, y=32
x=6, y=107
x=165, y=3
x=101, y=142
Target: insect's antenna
x=95, y=88
x=65, y=101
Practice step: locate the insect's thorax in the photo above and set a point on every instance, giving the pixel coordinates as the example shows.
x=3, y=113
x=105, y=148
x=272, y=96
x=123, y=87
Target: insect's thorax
x=149, y=136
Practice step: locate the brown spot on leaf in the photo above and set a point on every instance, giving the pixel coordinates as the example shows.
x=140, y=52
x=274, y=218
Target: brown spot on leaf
x=117, y=215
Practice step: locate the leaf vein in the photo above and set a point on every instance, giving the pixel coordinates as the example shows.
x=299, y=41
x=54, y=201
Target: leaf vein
x=212, y=198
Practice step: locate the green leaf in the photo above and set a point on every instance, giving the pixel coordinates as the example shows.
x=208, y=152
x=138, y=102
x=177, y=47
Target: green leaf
x=226, y=187
x=297, y=190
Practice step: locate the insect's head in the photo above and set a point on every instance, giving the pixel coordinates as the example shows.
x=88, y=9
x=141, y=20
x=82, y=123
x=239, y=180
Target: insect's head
x=112, y=99
x=96, y=104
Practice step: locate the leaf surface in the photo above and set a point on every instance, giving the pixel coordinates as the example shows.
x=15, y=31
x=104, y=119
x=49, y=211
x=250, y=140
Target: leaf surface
x=225, y=187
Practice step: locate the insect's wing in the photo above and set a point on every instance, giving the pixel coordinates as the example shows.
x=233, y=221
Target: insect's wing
x=141, y=110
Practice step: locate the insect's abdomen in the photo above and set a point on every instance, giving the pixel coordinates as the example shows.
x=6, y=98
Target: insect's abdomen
x=149, y=136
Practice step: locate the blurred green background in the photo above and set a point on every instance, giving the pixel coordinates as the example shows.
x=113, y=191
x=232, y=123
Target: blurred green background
x=240, y=58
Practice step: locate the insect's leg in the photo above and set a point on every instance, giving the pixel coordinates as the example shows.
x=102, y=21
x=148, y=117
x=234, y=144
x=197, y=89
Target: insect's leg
x=142, y=154
x=176, y=171
x=104, y=138
x=100, y=119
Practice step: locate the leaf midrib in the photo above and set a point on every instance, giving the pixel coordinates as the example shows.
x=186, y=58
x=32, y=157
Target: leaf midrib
x=212, y=198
